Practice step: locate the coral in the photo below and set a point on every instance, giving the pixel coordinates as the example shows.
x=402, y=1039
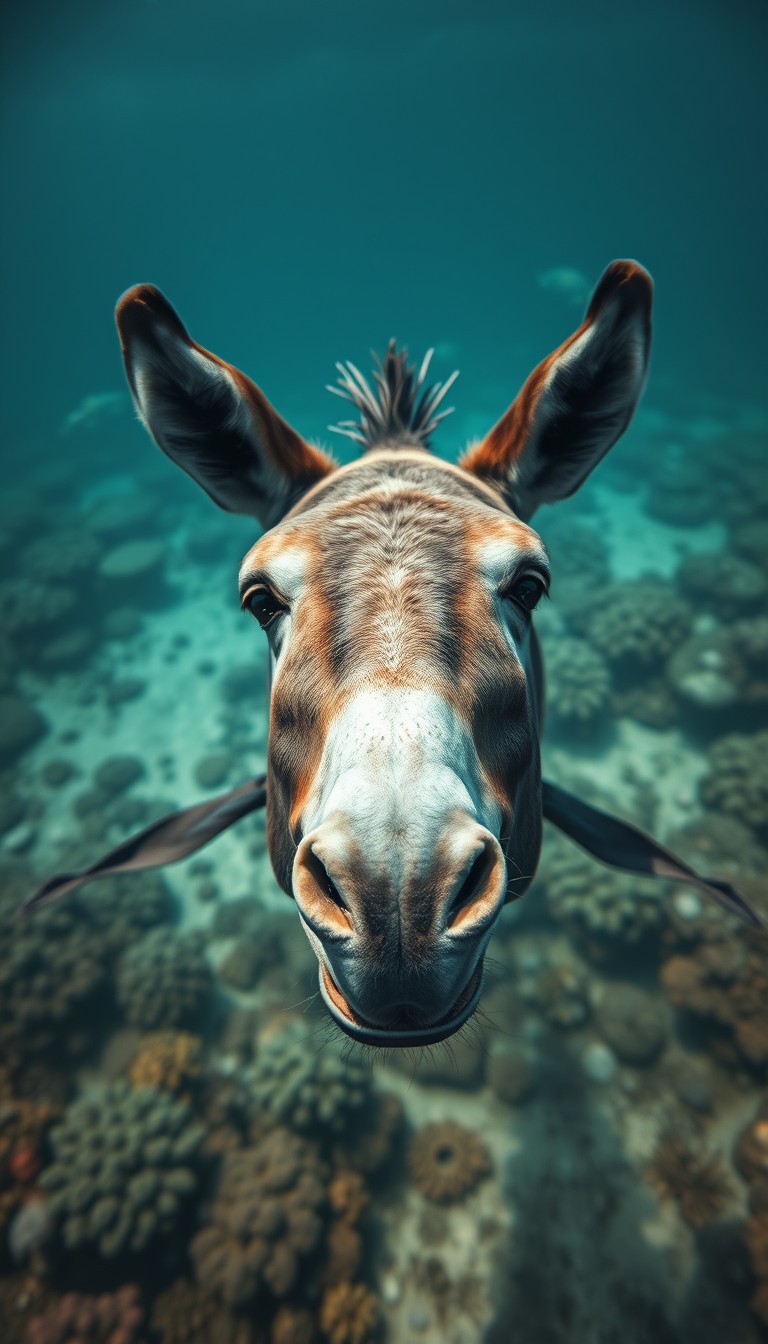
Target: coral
x=22, y=1297
x=294, y=1083
x=706, y=670
x=446, y=1161
x=121, y=1169
x=578, y=682
x=756, y=1242
x=651, y=702
x=722, y=581
x=185, y=1314
x=23, y=1126
x=737, y=779
x=633, y=1023
x=170, y=1060
x=696, y=1180
x=113, y=1318
x=635, y=624
x=163, y=980
x=725, y=982
x=348, y=1314
x=750, y=1154
x=126, y=907
x=293, y=1325
x=561, y=992
x=606, y=910
x=50, y=969
x=266, y=1216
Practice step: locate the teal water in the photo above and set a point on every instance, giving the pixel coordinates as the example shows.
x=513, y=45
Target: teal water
x=180, y=1130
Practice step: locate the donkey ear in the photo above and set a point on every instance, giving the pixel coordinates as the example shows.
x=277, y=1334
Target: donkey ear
x=208, y=417
x=578, y=402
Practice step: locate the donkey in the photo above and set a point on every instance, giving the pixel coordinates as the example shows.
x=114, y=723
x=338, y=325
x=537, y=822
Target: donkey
x=404, y=794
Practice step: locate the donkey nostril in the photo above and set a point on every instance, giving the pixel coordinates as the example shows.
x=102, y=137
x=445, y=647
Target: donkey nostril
x=472, y=886
x=318, y=894
x=332, y=890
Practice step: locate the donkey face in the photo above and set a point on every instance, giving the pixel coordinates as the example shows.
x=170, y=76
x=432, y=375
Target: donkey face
x=404, y=800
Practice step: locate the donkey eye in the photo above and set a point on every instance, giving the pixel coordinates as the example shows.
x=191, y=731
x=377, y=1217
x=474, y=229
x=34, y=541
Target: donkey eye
x=262, y=603
x=527, y=590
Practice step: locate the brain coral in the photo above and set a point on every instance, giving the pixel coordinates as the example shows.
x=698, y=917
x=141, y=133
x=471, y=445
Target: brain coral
x=163, y=980
x=737, y=779
x=121, y=1168
x=606, y=909
x=446, y=1161
x=637, y=623
x=578, y=682
x=266, y=1216
x=295, y=1083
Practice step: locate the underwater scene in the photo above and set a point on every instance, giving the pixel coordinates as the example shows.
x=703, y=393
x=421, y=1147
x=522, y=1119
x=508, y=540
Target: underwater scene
x=191, y=1150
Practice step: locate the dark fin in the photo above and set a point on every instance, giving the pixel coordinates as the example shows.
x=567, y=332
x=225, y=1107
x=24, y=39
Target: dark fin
x=621, y=845
x=166, y=841
x=402, y=409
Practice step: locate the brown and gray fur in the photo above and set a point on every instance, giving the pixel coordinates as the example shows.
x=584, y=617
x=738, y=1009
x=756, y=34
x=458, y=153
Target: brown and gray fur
x=403, y=773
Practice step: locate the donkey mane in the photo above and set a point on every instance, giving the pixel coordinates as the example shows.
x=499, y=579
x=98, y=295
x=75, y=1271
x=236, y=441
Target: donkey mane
x=400, y=411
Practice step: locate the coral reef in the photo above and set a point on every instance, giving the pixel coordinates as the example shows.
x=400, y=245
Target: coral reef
x=750, y=1154
x=294, y=1083
x=722, y=581
x=185, y=1314
x=121, y=1169
x=169, y=1060
x=737, y=779
x=23, y=1126
x=578, y=683
x=607, y=911
x=446, y=1161
x=163, y=980
x=112, y=1318
x=635, y=624
x=348, y=1314
x=266, y=1216
x=51, y=967
x=725, y=982
x=681, y=1170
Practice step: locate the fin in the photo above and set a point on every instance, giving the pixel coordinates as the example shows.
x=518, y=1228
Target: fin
x=622, y=845
x=166, y=841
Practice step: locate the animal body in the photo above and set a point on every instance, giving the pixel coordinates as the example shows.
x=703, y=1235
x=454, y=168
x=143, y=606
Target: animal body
x=404, y=792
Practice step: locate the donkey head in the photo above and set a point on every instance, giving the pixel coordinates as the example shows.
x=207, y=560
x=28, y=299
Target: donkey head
x=396, y=593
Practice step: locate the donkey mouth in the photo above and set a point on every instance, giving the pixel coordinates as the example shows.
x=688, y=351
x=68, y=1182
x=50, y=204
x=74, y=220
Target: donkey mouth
x=386, y=1037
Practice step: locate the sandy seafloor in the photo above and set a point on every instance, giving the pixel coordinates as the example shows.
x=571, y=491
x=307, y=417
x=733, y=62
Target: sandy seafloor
x=568, y=1238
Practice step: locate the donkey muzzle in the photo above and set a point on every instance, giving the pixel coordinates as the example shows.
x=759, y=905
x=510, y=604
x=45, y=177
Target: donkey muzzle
x=400, y=953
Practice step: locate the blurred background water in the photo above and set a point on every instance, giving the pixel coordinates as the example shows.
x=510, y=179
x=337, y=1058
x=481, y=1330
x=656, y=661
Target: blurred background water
x=184, y=1146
